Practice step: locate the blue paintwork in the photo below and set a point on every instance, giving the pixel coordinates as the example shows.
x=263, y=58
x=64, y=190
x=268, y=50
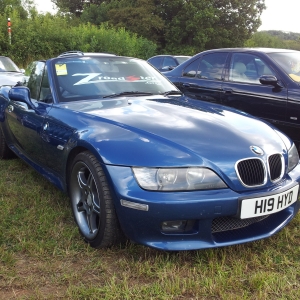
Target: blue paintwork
x=151, y=131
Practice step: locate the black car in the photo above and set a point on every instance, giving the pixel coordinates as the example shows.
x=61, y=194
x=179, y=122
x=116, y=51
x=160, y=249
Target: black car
x=260, y=81
x=167, y=62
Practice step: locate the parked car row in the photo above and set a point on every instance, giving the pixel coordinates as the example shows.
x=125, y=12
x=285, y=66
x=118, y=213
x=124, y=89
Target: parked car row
x=164, y=63
x=142, y=161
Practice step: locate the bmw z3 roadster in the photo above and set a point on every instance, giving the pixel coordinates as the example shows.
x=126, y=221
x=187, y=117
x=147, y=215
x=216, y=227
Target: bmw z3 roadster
x=140, y=161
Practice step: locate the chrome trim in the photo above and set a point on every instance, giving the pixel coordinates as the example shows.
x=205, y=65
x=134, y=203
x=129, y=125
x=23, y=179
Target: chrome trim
x=265, y=172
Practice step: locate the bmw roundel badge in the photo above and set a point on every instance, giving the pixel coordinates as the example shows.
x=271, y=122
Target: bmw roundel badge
x=256, y=150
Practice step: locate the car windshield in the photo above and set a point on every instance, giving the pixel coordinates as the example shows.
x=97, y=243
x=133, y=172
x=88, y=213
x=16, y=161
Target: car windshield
x=91, y=77
x=290, y=63
x=7, y=65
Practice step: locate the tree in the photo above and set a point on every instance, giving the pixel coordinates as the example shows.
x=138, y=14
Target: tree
x=236, y=21
x=8, y=6
x=75, y=7
x=188, y=25
x=263, y=39
x=185, y=26
x=275, y=39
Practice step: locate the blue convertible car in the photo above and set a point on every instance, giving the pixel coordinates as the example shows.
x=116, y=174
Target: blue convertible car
x=140, y=161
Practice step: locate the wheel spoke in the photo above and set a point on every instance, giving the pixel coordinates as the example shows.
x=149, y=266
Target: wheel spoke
x=82, y=180
x=90, y=182
x=89, y=217
x=93, y=194
x=88, y=203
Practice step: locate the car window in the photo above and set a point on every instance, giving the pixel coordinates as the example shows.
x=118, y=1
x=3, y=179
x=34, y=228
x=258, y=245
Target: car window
x=249, y=68
x=93, y=77
x=213, y=65
x=35, y=79
x=210, y=66
x=289, y=62
x=156, y=61
x=45, y=92
x=191, y=69
x=169, y=61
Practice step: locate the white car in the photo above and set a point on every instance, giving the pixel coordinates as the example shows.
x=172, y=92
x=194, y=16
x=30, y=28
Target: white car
x=10, y=74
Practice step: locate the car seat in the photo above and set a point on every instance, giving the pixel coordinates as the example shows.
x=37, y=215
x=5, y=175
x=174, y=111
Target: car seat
x=238, y=71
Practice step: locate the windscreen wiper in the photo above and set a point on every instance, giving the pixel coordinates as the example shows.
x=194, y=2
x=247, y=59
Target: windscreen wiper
x=132, y=93
x=173, y=92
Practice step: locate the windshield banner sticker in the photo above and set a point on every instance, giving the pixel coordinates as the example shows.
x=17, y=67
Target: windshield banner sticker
x=97, y=78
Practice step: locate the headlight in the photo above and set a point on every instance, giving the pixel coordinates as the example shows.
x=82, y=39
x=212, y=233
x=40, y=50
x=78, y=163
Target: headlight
x=177, y=179
x=293, y=158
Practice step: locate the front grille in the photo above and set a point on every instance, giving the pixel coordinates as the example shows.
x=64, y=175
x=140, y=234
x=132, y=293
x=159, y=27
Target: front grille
x=230, y=223
x=252, y=171
x=275, y=166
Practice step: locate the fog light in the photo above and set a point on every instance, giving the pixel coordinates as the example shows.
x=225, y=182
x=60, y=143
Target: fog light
x=174, y=225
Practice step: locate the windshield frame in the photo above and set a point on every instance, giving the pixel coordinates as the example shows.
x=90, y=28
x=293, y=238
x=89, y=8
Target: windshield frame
x=129, y=75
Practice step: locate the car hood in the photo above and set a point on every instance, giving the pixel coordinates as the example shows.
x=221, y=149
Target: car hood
x=167, y=132
x=10, y=78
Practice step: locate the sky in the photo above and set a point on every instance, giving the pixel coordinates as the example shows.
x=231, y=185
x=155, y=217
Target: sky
x=279, y=15
x=44, y=6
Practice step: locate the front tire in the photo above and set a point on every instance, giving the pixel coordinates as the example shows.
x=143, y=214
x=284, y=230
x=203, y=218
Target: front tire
x=92, y=204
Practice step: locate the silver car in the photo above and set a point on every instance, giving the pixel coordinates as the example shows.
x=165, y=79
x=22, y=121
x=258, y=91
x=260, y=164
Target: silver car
x=10, y=74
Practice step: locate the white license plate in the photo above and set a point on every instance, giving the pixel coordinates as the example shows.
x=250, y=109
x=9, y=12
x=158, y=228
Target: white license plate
x=271, y=204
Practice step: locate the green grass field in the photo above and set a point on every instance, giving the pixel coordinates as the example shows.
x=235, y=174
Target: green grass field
x=42, y=256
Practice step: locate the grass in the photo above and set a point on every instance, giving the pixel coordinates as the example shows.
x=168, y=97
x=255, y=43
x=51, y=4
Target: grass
x=42, y=256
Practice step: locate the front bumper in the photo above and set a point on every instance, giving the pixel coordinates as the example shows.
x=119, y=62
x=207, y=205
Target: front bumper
x=212, y=216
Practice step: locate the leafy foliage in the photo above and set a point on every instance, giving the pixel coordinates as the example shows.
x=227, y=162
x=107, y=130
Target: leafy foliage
x=275, y=39
x=7, y=6
x=42, y=36
x=179, y=26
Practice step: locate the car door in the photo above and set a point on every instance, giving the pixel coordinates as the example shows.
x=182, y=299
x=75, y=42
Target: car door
x=25, y=124
x=243, y=90
x=292, y=126
x=202, y=78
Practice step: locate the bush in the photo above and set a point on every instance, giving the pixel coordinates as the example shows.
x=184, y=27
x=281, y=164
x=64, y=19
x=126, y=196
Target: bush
x=44, y=36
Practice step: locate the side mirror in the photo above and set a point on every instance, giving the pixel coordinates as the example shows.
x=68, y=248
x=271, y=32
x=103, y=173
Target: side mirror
x=168, y=68
x=21, y=94
x=270, y=80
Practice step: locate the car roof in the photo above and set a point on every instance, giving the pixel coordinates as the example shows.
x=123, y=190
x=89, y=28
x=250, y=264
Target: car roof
x=80, y=53
x=160, y=55
x=255, y=49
